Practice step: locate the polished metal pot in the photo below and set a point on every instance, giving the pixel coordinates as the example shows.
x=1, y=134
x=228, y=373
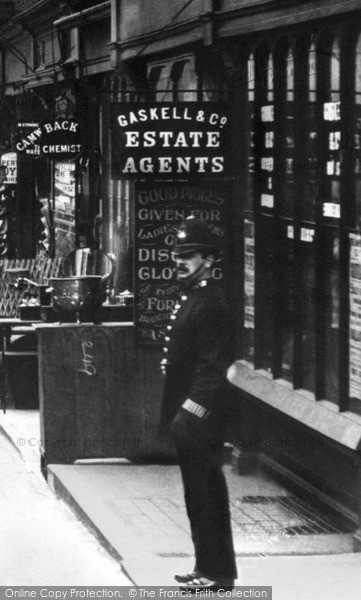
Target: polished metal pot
x=78, y=297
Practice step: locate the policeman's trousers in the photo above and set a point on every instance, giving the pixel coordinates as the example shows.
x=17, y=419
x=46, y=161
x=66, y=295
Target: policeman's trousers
x=206, y=498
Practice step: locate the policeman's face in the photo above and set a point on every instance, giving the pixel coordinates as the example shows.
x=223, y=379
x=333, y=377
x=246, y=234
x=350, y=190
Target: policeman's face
x=191, y=263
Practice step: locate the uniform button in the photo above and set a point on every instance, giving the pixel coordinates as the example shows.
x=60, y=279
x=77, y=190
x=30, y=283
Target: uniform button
x=163, y=361
x=165, y=349
x=177, y=306
x=172, y=317
x=167, y=339
x=169, y=327
x=183, y=298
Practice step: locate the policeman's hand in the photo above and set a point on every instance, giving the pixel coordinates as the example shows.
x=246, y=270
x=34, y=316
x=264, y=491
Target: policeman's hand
x=186, y=425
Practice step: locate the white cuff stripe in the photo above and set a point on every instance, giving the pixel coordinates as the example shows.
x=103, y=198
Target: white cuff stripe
x=195, y=409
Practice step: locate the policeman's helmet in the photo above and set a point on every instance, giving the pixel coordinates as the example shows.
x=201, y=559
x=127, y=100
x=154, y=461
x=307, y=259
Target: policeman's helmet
x=195, y=235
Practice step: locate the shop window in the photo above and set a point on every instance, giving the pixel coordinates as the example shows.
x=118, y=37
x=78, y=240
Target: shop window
x=64, y=207
x=305, y=214
x=357, y=134
x=285, y=257
x=331, y=212
x=115, y=207
x=292, y=215
x=309, y=158
x=250, y=136
x=288, y=144
x=354, y=329
x=248, y=219
x=264, y=123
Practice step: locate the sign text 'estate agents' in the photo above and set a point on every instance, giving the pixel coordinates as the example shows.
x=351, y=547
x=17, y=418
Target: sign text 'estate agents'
x=176, y=140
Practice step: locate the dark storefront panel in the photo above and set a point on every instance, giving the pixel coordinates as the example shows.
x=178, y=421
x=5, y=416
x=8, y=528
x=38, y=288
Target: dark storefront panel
x=301, y=321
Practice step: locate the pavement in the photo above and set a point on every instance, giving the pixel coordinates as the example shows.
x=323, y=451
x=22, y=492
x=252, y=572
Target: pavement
x=42, y=541
x=137, y=513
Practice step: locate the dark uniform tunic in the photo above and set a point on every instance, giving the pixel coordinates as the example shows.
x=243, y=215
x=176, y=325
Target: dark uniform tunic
x=198, y=352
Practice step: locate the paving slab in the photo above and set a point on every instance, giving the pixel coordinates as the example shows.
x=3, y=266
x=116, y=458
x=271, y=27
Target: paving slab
x=139, y=512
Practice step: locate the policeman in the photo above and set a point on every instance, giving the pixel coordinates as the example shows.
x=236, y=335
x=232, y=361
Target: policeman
x=197, y=354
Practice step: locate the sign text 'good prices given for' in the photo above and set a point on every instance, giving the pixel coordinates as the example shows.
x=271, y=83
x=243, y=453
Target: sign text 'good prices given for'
x=181, y=139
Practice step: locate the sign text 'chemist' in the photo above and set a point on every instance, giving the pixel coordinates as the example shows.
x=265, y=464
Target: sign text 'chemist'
x=177, y=140
x=59, y=138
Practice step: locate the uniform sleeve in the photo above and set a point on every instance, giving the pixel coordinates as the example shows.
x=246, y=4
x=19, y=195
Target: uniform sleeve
x=213, y=355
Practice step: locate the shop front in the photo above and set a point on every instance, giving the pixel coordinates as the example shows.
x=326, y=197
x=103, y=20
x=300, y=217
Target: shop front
x=247, y=115
x=299, y=209
x=291, y=79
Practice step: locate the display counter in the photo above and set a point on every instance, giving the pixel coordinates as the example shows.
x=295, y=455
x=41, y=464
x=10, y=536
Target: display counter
x=99, y=394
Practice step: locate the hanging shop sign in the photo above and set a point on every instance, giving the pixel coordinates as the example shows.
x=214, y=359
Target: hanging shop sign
x=176, y=140
x=159, y=207
x=355, y=316
x=55, y=138
x=9, y=160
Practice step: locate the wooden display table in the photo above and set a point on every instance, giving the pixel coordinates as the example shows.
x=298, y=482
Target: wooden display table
x=99, y=394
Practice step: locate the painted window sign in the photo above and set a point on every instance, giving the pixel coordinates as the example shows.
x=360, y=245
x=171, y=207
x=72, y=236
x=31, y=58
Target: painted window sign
x=177, y=140
x=159, y=208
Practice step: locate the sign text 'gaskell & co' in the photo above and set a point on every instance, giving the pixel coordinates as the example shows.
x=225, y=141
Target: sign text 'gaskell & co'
x=170, y=140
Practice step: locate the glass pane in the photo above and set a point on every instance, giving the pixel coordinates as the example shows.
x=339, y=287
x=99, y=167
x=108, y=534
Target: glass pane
x=264, y=301
x=335, y=71
x=287, y=207
x=270, y=78
x=357, y=135
x=332, y=316
x=358, y=72
x=331, y=211
x=355, y=251
x=312, y=73
x=249, y=287
x=286, y=298
x=249, y=196
x=290, y=76
x=64, y=207
x=309, y=180
x=187, y=82
x=251, y=77
x=307, y=303
x=355, y=318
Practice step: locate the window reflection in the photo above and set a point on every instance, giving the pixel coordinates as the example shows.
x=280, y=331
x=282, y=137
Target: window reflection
x=248, y=222
x=331, y=236
x=286, y=246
